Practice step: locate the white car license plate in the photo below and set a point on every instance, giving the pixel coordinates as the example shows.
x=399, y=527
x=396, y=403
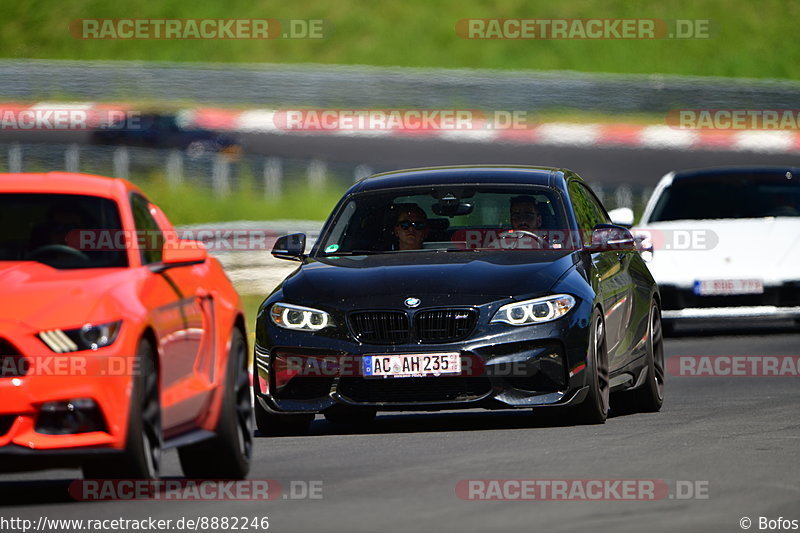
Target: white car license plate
x=411, y=365
x=718, y=287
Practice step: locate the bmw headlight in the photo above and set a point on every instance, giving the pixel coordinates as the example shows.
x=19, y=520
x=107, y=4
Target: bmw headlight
x=535, y=311
x=299, y=318
x=89, y=337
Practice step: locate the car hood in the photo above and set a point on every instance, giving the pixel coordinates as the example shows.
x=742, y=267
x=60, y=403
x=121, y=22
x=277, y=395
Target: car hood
x=763, y=248
x=441, y=278
x=42, y=297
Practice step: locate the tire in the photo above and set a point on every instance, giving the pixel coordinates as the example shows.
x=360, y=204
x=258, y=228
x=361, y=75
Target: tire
x=350, y=416
x=594, y=409
x=142, y=456
x=228, y=454
x=650, y=397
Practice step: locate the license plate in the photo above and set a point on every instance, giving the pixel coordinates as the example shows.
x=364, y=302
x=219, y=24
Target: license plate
x=411, y=365
x=718, y=287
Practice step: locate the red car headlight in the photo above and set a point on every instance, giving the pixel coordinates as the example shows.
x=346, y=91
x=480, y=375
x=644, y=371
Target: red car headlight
x=88, y=337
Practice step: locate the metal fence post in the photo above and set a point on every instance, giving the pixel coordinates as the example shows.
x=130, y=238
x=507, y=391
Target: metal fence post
x=72, y=158
x=362, y=171
x=121, y=162
x=220, y=177
x=317, y=174
x=623, y=196
x=273, y=178
x=600, y=192
x=175, y=168
x=646, y=193
x=15, y=158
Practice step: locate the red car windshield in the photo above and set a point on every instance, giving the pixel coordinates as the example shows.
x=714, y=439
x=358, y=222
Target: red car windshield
x=60, y=230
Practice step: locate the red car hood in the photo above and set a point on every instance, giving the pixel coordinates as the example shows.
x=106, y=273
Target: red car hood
x=43, y=297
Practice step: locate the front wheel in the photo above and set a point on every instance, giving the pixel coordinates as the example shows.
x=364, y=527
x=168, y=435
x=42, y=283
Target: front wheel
x=227, y=455
x=594, y=409
x=142, y=456
x=650, y=396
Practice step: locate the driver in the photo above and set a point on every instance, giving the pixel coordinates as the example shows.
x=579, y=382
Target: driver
x=524, y=213
x=525, y=221
x=61, y=220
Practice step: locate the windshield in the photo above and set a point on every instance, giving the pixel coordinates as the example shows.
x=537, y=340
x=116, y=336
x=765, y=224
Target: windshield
x=729, y=196
x=449, y=218
x=46, y=228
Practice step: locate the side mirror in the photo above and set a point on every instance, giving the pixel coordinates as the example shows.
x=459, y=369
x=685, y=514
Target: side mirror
x=291, y=247
x=176, y=253
x=608, y=237
x=622, y=216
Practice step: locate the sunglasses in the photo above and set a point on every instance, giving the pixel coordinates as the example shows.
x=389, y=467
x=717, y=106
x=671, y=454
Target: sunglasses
x=406, y=224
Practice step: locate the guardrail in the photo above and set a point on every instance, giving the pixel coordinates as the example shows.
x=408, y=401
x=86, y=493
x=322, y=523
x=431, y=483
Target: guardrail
x=223, y=173
x=330, y=86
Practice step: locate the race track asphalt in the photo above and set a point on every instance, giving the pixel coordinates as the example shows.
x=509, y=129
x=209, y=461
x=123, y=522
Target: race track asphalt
x=734, y=438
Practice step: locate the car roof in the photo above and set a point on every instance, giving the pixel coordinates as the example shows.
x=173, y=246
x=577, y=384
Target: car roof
x=724, y=171
x=465, y=174
x=66, y=183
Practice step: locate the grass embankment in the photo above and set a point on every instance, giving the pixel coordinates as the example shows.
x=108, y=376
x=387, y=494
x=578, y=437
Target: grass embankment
x=747, y=39
x=188, y=204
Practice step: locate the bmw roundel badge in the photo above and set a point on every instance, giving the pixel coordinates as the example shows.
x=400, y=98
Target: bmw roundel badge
x=412, y=302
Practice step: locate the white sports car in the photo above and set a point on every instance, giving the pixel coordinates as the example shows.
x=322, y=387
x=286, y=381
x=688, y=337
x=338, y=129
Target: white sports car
x=724, y=243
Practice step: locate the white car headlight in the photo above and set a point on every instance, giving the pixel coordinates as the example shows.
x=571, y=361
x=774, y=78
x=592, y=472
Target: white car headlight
x=300, y=318
x=535, y=311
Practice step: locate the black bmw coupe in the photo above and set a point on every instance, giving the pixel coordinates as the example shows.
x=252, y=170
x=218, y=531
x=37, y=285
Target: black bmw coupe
x=501, y=287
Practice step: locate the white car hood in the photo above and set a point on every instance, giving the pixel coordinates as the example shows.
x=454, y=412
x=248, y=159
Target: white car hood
x=763, y=248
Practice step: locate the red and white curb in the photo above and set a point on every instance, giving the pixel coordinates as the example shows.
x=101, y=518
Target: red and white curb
x=553, y=133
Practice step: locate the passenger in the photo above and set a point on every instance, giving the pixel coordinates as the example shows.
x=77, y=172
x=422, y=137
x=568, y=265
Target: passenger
x=410, y=227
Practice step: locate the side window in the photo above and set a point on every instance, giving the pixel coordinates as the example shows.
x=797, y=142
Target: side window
x=151, y=240
x=597, y=207
x=584, y=212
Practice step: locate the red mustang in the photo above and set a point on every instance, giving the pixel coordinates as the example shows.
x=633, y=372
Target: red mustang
x=117, y=340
